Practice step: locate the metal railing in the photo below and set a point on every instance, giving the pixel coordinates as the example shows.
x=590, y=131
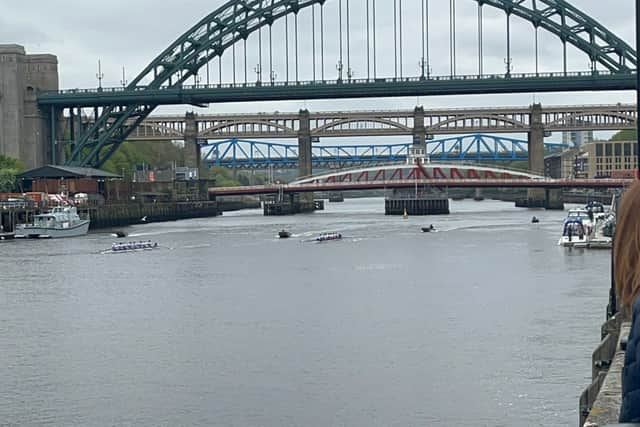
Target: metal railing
x=510, y=76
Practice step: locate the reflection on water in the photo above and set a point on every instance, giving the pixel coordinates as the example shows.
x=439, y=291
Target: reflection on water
x=486, y=322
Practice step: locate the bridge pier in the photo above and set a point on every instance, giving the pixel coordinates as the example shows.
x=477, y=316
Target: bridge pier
x=291, y=204
x=305, y=167
x=554, y=200
x=193, y=158
x=536, y=198
x=419, y=203
x=419, y=131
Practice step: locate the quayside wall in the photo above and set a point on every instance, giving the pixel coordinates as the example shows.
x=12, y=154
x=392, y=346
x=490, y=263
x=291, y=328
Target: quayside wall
x=140, y=213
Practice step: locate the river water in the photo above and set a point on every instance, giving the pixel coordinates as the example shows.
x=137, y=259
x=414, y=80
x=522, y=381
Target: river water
x=486, y=322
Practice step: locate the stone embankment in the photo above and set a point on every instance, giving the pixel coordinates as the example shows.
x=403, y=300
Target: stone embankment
x=600, y=402
x=139, y=213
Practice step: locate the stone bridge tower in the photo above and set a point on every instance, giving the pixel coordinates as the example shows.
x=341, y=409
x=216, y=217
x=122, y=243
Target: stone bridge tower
x=24, y=129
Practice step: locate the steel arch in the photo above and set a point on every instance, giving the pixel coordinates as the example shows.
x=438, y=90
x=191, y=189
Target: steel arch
x=600, y=44
x=237, y=19
x=242, y=153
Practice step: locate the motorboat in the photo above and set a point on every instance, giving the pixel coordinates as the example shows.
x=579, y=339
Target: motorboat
x=573, y=233
x=428, y=229
x=120, y=234
x=602, y=234
x=61, y=221
x=284, y=234
x=535, y=220
x=326, y=237
x=118, y=248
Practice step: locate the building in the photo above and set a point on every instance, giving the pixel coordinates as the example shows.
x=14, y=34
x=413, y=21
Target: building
x=598, y=159
x=612, y=158
x=577, y=138
x=25, y=133
x=53, y=179
x=568, y=164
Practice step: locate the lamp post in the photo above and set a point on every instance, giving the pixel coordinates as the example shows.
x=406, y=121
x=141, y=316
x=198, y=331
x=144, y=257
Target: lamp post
x=123, y=82
x=99, y=75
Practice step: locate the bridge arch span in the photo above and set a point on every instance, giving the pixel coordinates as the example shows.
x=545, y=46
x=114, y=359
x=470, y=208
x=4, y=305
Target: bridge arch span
x=236, y=20
x=411, y=171
x=500, y=122
x=328, y=127
x=216, y=131
x=587, y=119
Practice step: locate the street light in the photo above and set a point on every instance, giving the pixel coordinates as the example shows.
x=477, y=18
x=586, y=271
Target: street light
x=99, y=75
x=258, y=71
x=123, y=82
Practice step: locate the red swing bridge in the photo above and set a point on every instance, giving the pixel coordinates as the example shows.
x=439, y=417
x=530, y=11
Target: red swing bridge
x=424, y=176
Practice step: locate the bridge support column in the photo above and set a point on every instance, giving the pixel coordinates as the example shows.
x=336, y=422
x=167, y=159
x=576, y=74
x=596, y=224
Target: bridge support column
x=554, y=200
x=536, y=198
x=193, y=157
x=478, y=195
x=305, y=167
x=419, y=131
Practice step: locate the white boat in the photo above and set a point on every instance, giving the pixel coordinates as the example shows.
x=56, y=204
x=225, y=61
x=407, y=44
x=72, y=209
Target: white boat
x=573, y=233
x=62, y=221
x=601, y=236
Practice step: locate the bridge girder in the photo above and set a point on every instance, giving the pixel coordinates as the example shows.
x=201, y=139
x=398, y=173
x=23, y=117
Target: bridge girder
x=237, y=19
x=239, y=153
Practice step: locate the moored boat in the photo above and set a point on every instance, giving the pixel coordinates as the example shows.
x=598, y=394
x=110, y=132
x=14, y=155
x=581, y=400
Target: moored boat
x=603, y=228
x=573, y=233
x=61, y=221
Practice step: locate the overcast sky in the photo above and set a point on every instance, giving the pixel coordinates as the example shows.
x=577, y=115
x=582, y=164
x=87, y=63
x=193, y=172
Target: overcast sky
x=131, y=33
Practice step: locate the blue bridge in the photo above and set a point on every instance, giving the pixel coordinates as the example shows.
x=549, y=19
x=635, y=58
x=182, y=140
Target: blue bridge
x=211, y=62
x=239, y=153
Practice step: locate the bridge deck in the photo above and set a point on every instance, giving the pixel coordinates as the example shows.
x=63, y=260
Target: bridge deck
x=410, y=183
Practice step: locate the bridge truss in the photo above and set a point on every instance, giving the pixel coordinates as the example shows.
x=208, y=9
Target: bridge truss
x=175, y=76
x=246, y=154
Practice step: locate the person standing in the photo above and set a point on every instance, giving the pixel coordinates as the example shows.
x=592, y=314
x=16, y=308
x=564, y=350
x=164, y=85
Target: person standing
x=627, y=277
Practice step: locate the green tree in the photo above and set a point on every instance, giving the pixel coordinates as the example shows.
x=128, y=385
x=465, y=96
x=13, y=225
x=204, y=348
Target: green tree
x=157, y=154
x=222, y=177
x=625, y=135
x=9, y=169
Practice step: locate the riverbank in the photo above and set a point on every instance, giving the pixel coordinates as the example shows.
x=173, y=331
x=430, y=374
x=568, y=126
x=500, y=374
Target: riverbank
x=107, y=216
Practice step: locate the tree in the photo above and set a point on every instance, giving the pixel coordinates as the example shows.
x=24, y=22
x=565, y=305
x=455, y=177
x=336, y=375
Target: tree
x=157, y=154
x=9, y=169
x=223, y=177
x=624, y=135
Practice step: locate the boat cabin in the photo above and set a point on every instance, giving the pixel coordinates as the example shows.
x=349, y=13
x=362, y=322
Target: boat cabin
x=581, y=214
x=573, y=227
